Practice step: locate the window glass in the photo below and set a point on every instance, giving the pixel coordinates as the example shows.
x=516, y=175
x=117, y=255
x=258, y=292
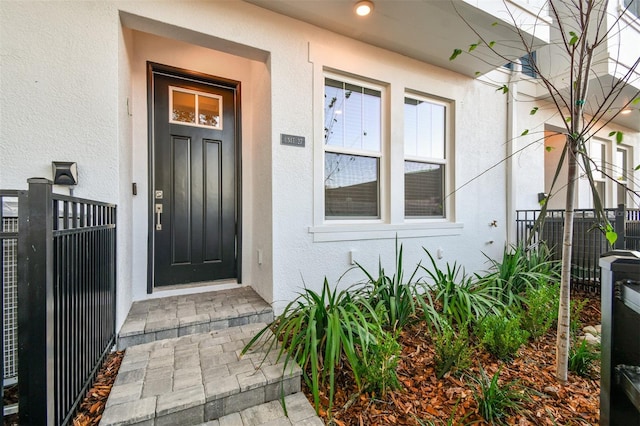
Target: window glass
x=209, y=111
x=184, y=107
x=351, y=186
x=633, y=7
x=193, y=108
x=423, y=189
x=352, y=116
x=425, y=159
x=353, y=141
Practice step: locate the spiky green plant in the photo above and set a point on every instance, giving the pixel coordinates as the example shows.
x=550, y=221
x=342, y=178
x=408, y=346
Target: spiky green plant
x=319, y=331
x=461, y=298
x=393, y=297
x=582, y=356
x=496, y=401
x=518, y=271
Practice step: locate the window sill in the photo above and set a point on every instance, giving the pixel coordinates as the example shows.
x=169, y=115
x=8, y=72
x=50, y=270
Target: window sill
x=354, y=232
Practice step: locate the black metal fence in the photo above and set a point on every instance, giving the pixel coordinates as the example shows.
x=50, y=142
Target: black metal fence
x=589, y=242
x=66, y=273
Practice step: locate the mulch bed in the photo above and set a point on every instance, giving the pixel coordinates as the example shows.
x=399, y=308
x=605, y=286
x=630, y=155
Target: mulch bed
x=426, y=400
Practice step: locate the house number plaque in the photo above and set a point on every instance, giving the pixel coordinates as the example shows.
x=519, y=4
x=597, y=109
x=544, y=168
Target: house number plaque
x=291, y=140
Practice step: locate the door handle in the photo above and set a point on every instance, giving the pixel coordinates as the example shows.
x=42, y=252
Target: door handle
x=158, y=217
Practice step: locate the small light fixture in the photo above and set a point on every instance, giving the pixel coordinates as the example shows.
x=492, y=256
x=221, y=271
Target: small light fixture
x=65, y=173
x=625, y=111
x=363, y=8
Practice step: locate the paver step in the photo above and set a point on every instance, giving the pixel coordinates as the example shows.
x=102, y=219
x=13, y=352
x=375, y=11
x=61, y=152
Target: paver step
x=299, y=409
x=197, y=378
x=176, y=316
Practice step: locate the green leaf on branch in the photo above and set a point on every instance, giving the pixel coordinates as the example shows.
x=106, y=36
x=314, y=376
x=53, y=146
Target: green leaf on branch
x=548, y=148
x=491, y=43
x=533, y=111
x=526, y=131
x=504, y=89
x=567, y=119
x=495, y=24
x=636, y=168
x=478, y=73
x=473, y=47
x=611, y=235
x=574, y=38
x=635, y=101
x=619, y=136
x=455, y=54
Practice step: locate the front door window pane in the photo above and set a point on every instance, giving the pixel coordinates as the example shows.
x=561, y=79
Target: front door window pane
x=209, y=111
x=351, y=186
x=184, y=107
x=423, y=189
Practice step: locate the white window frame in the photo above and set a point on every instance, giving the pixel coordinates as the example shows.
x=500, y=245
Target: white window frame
x=599, y=178
x=380, y=155
x=621, y=174
x=391, y=223
x=444, y=161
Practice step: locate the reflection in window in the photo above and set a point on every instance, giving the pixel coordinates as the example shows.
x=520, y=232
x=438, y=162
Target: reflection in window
x=187, y=104
x=351, y=186
x=353, y=150
x=184, y=107
x=425, y=160
x=423, y=189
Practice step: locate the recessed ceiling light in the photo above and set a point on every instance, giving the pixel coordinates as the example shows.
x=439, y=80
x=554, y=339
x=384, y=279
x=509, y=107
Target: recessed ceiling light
x=363, y=8
x=625, y=111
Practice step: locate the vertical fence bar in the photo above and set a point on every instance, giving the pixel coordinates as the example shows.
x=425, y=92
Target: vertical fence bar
x=35, y=310
x=619, y=226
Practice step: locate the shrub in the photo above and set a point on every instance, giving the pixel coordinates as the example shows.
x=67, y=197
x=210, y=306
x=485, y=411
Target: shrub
x=451, y=350
x=541, y=309
x=461, y=298
x=581, y=358
x=520, y=270
x=319, y=331
x=502, y=335
x=391, y=296
x=576, y=307
x=496, y=401
x=378, y=369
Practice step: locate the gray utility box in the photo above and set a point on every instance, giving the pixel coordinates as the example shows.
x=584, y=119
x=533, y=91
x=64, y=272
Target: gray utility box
x=620, y=362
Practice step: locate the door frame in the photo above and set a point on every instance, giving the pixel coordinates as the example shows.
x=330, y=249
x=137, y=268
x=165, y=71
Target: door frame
x=203, y=78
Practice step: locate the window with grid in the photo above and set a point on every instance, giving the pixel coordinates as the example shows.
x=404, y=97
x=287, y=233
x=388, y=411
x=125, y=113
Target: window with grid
x=425, y=160
x=352, y=150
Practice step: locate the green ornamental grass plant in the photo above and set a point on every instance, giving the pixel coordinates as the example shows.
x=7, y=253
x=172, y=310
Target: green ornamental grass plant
x=496, y=401
x=461, y=298
x=320, y=331
x=392, y=297
x=519, y=271
x=582, y=356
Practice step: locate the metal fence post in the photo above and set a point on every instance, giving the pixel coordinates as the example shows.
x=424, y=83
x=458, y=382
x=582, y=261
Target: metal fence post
x=35, y=305
x=619, y=226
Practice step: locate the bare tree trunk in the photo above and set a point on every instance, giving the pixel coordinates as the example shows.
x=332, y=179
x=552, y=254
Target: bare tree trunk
x=564, y=311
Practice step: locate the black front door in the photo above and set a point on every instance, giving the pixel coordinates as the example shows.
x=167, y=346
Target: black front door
x=194, y=180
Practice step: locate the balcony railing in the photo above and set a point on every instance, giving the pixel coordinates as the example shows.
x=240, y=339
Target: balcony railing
x=588, y=240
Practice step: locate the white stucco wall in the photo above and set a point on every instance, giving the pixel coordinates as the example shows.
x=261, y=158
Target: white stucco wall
x=74, y=87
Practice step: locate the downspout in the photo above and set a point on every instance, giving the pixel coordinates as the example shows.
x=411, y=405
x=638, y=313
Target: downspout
x=512, y=129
